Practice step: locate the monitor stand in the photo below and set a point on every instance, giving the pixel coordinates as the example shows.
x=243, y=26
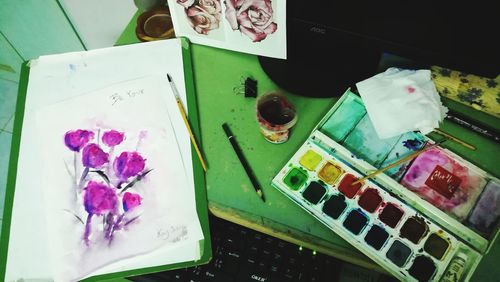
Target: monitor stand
x=317, y=69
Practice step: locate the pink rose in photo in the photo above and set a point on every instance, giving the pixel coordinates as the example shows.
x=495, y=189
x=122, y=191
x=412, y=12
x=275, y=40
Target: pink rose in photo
x=202, y=15
x=254, y=18
x=185, y=3
x=212, y=7
x=201, y=20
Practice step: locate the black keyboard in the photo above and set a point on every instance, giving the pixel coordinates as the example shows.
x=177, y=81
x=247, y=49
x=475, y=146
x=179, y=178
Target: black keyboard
x=241, y=254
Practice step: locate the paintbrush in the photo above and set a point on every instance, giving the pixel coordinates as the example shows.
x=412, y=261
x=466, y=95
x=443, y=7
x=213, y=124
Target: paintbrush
x=186, y=122
x=453, y=138
x=400, y=161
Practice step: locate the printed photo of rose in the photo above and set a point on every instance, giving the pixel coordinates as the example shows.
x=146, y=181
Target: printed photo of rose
x=105, y=183
x=202, y=15
x=254, y=18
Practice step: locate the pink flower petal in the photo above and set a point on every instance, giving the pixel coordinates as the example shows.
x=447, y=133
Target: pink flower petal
x=130, y=201
x=244, y=20
x=128, y=164
x=231, y=15
x=256, y=37
x=76, y=139
x=99, y=198
x=93, y=156
x=112, y=138
x=271, y=28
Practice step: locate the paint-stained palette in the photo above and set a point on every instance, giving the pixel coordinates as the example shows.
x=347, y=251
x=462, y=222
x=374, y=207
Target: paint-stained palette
x=445, y=182
x=387, y=229
x=403, y=220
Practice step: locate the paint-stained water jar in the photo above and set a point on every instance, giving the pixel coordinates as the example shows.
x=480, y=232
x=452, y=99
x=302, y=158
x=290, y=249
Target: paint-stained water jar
x=155, y=24
x=276, y=116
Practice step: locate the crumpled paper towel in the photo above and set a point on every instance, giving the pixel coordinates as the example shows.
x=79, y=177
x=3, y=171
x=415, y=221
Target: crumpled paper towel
x=399, y=101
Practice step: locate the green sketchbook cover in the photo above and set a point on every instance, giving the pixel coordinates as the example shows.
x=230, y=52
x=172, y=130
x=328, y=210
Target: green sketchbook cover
x=22, y=240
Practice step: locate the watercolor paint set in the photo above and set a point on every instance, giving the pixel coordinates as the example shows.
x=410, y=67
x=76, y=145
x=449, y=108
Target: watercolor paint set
x=430, y=219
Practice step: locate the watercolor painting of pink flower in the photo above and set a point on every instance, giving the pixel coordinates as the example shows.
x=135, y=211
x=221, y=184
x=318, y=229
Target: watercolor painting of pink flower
x=93, y=156
x=130, y=201
x=112, y=138
x=202, y=15
x=99, y=198
x=254, y=18
x=128, y=164
x=105, y=178
x=76, y=139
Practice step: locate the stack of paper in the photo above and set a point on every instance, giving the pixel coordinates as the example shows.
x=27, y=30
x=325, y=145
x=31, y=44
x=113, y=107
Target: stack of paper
x=105, y=173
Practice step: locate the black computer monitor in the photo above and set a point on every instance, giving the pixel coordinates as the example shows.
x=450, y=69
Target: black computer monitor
x=332, y=46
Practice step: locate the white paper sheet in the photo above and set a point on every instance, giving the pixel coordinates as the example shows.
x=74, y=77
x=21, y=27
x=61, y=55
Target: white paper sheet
x=165, y=213
x=60, y=77
x=399, y=101
x=251, y=26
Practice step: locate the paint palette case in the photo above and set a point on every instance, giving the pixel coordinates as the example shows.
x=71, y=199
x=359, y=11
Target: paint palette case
x=430, y=219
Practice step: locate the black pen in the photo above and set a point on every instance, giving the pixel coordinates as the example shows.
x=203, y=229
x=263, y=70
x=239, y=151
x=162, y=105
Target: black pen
x=481, y=129
x=243, y=161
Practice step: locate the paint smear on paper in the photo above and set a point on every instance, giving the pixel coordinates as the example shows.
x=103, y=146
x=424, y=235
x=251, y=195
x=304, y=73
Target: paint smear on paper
x=444, y=182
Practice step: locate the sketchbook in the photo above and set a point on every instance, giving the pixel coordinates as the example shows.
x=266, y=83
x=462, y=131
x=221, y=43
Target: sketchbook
x=103, y=182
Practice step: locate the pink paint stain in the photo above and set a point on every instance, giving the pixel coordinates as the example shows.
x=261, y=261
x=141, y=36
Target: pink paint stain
x=410, y=89
x=463, y=198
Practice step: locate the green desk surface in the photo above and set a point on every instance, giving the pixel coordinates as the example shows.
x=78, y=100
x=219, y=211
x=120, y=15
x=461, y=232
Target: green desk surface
x=217, y=72
x=231, y=196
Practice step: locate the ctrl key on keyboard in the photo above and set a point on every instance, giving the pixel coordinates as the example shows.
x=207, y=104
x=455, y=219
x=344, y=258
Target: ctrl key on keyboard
x=247, y=274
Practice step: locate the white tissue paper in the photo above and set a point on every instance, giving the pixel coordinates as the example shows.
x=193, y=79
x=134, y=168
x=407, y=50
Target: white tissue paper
x=399, y=101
